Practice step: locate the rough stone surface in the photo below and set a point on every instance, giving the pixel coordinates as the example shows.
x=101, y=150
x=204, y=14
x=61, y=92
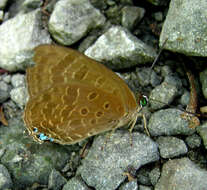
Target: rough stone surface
x=203, y=80
x=118, y=48
x=27, y=161
x=56, y=180
x=154, y=175
x=73, y=19
x=3, y=4
x=74, y=184
x=4, y=91
x=185, y=98
x=19, y=95
x=18, y=80
x=132, y=185
x=146, y=76
x=106, y=166
x=143, y=187
x=131, y=15
x=169, y=122
x=162, y=95
x=182, y=174
x=5, y=179
x=171, y=147
x=18, y=37
x=193, y=141
x=202, y=130
x=187, y=33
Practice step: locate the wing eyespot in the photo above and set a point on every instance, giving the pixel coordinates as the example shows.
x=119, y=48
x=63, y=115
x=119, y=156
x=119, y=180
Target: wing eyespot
x=84, y=111
x=92, y=96
x=99, y=114
x=106, y=105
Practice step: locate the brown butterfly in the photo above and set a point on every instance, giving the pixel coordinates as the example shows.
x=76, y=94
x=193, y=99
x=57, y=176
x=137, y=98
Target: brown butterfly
x=73, y=97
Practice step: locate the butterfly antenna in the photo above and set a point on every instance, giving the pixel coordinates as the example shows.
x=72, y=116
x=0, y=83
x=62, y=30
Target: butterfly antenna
x=160, y=51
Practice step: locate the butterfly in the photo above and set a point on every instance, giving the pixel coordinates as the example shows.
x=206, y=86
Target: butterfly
x=73, y=97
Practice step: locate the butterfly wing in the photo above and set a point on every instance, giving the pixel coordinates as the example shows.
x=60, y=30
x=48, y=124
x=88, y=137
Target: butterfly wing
x=56, y=64
x=69, y=113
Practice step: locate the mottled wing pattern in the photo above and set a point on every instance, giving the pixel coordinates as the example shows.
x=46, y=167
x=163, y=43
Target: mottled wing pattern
x=56, y=64
x=71, y=112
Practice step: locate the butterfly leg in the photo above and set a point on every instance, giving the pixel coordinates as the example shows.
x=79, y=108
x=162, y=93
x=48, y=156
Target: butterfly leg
x=107, y=137
x=145, y=125
x=132, y=124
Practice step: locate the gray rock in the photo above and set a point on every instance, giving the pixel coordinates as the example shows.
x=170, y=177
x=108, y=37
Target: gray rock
x=56, y=180
x=4, y=91
x=193, y=141
x=203, y=80
x=202, y=130
x=26, y=33
x=4, y=95
x=147, y=76
x=18, y=80
x=5, y=178
x=185, y=27
x=74, y=184
x=27, y=161
x=166, y=70
x=174, y=80
x=154, y=175
x=4, y=86
x=162, y=95
x=88, y=41
x=143, y=176
x=102, y=5
x=1, y=16
x=118, y=48
x=143, y=187
x=19, y=95
x=6, y=78
x=29, y=5
x=182, y=174
x=171, y=147
x=185, y=98
x=155, y=79
x=3, y=4
x=2, y=151
x=11, y=110
x=158, y=16
x=131, y=185
x=113, y=14
x=131, y=15
x=15, y=8
x=143, y=75
x=169, y=122
x=106, y=166
x=73, y=19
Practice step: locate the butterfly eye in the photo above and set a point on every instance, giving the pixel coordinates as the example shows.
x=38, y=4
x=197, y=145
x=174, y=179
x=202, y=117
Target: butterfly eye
x=143, y=101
